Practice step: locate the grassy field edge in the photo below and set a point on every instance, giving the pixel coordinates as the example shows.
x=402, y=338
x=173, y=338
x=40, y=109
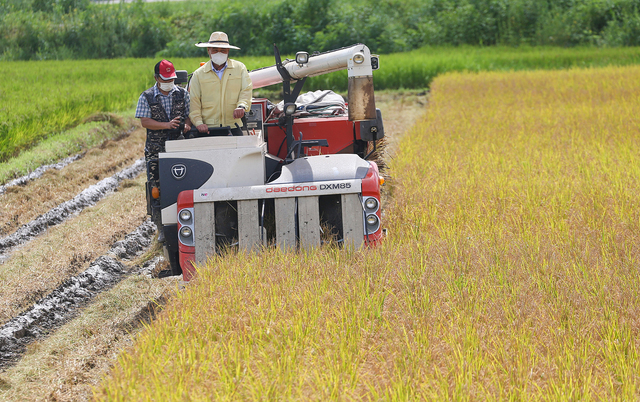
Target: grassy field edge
x=94, y=131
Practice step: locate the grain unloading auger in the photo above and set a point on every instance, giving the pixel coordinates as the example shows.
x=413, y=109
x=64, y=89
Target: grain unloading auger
x=298, y=178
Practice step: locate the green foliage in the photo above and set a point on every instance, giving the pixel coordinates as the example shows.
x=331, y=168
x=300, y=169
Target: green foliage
x=79, y=29
x=624, y=32
x=59, y=6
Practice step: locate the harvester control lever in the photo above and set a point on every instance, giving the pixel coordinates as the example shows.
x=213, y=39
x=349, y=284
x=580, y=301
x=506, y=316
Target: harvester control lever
x=181, y=128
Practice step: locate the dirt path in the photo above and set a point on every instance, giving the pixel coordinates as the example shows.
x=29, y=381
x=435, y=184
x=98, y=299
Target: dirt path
x=76, y=291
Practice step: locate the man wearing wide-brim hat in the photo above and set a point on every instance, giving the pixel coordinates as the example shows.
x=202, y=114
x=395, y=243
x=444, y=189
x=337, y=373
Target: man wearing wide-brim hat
x=220, y=89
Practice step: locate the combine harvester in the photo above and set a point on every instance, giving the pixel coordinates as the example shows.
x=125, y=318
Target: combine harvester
x=298, y=177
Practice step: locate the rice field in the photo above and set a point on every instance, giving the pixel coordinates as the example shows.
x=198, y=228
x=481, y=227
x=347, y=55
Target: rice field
x=42, y=99
x=418, y=68
x=510, y=270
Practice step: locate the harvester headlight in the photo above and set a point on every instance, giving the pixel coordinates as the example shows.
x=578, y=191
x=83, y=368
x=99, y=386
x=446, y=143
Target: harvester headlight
x=186, y=232
x=358, y=58
x=185, y=215
x=371, y=204
x=372, y=224
x=302, y=57
x=289, y=109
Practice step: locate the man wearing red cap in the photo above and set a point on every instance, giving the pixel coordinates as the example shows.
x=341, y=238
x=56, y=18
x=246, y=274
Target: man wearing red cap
x=220, y=89
x=161, y=109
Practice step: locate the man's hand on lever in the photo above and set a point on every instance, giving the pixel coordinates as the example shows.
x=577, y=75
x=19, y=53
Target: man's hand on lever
x=238, y=113
x=173, y=124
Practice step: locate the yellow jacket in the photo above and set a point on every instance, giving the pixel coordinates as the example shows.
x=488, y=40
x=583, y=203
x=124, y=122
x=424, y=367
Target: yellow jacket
x=213, y=99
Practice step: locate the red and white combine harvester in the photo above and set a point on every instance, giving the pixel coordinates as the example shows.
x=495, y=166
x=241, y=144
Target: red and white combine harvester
x=297, y=178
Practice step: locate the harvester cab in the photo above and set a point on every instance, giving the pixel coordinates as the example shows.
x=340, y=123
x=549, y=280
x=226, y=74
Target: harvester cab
x=298, y=178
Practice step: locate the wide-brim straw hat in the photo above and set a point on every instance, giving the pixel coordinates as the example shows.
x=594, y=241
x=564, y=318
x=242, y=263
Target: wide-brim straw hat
x=217, y=39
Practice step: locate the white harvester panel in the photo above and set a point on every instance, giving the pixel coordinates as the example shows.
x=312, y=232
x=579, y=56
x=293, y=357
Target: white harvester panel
x=237, y=161
x=229, y=161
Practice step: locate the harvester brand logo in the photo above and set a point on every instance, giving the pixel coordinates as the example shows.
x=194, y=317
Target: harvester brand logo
x=179, y=171
x=291, y=189
x=335, y=186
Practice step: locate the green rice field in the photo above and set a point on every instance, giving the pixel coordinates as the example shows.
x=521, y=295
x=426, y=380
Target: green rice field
x=42, y=99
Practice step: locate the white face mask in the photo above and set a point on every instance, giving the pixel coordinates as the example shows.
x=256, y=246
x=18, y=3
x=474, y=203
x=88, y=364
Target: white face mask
x=166, y=86
x=219, y=58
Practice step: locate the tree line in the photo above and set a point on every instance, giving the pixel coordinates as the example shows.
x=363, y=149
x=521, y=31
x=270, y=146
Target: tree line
x=82, y=29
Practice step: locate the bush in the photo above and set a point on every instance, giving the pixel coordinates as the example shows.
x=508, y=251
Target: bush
x=623, y=33
x=39, y=29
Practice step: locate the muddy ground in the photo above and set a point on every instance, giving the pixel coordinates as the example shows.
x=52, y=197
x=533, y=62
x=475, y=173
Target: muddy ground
x=79, y=263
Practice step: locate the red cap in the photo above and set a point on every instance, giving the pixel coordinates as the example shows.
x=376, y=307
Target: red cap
x=165, y=70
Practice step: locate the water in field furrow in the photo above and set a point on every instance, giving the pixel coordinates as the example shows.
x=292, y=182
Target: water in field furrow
x=43, y=263
x=79, y=275
x=21, y=181
x=59, y=214
x=24, y=199
x=63, y=303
